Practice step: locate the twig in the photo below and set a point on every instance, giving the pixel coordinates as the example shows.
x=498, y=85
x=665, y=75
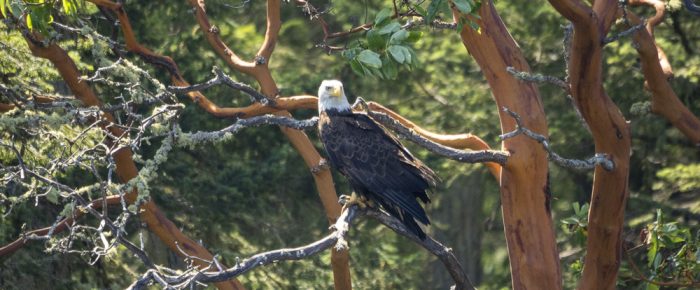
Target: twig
x=588, y=164
x=256, y=121
x=625, y=33
x=539, y=78
x=221, y=78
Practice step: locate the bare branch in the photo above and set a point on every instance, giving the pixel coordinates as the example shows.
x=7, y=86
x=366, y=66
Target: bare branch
x=252, y=122
x=334, y=239
x=588, y=164
x=221, y=78
x=538, y=78
x=625, y=33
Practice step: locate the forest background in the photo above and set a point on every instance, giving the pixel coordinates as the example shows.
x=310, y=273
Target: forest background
x=252, y=192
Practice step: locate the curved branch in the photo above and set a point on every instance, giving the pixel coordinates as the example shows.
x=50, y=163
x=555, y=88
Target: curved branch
x=274, y=24
x=664, y=101
x=575, y=10
x=480, y=156
x=335, y=240
x=588, y=164
x=221, y=78
x=212, y=34
x=611, y=134
x=660, y=8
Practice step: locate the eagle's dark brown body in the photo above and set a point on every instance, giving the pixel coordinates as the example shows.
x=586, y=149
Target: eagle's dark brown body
x=377, y=165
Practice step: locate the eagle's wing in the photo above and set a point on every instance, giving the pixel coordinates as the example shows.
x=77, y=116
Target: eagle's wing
x=377, y=164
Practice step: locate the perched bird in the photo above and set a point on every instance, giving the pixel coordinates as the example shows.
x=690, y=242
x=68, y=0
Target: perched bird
x=379, y=169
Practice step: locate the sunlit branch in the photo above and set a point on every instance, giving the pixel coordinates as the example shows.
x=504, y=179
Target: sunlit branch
x=479, y=156
x=336, y=239
x=622, y=34
x=588, y=164
x=221, y=78
x=538, y=78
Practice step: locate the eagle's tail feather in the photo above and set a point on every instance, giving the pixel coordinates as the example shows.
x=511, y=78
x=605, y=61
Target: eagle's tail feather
x=412, y=225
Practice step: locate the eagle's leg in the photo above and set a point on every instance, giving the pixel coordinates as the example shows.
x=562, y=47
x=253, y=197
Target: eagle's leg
x=354, y=198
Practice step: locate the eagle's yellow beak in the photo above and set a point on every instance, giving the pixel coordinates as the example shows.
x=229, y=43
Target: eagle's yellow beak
x=336, y=92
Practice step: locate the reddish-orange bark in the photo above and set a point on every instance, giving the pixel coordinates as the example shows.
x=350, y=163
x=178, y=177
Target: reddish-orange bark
x=656, y=70
x=660, y=8
x=532, y=248
x=611, y=134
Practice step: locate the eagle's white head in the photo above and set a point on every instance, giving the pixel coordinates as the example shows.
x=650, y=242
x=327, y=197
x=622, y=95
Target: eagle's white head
x=332, y=97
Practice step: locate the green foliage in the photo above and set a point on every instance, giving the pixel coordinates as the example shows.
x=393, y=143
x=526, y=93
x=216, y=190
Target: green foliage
x=38, y=14
x=252, y=192
x=673, y=253
x=385, y=50
x=577, y=224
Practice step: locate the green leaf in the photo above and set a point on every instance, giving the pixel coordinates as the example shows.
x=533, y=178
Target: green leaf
x=414, y=36
x=381, y=17
x=408, y=54
x=464, y=6
x=369, y=58
x=398, y=36
x=390, y=28
x=68, y=7
x=30, y=24
x=17, y=8
x=475, y=26
x=132, y=208
x=357, y=68
x=389, y=69
x=52, y=195
x=396, y=52
x=3, y=4
x=68, y=209
x=651, y=286
x=420, y=10
x=433, y=9
x=375, y=41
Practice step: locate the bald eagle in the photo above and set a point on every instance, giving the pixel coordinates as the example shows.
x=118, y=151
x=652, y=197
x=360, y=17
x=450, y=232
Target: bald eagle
x=377, y=166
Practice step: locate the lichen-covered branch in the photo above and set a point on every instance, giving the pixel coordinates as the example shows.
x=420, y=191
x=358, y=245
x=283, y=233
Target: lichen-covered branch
x=576, y=164
x=336, y=239
x=539, y=78
x=221, y=78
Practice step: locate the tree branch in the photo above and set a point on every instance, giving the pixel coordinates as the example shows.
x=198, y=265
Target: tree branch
x=538, y=78
x=335, y=239
x=664, y=101
x=499, y=157
x=221, y=78
x=576, y=164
